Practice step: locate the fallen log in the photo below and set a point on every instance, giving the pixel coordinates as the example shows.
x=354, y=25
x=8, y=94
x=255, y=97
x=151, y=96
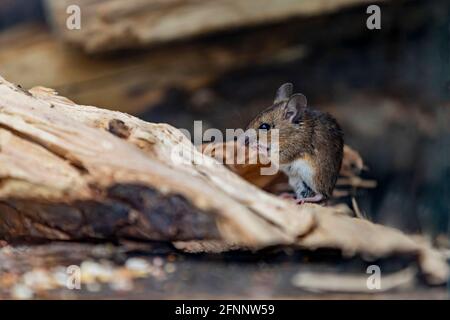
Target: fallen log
x=73, y=172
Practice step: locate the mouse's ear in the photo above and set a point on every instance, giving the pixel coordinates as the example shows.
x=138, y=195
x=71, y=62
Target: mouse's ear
x=283, y=93
x=293, y=109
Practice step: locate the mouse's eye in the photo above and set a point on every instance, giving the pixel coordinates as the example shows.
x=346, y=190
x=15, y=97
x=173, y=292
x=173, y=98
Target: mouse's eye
x=264, y=126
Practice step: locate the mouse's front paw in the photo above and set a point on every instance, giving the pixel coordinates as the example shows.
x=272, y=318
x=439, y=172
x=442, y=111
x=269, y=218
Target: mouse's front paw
x=314, y=199
x=287, y=195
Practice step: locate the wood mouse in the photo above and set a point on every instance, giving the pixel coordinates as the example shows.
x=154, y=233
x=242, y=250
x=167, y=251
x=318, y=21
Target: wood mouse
x=310, y=144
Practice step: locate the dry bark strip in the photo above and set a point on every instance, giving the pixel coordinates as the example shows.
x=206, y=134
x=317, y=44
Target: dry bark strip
x=73, y=172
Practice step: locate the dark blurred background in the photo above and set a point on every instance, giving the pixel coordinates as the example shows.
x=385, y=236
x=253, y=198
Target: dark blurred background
x=180, y=61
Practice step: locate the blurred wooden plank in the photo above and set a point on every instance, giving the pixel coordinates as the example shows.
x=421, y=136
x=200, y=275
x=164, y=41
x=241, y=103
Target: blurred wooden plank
x=114, y=24
x=129, y=82
x=135, y=81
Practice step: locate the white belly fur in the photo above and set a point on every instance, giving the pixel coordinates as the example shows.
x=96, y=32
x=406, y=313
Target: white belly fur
x=299, y=171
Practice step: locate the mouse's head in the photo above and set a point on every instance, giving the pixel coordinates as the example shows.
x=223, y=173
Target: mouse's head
x=287, y=116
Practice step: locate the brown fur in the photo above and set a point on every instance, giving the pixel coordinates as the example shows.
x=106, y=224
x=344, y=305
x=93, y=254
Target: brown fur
x=315, y=136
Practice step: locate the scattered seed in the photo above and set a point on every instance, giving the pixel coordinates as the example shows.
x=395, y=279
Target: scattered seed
x=158, y=261
x=22, y=292
x=170, y=268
